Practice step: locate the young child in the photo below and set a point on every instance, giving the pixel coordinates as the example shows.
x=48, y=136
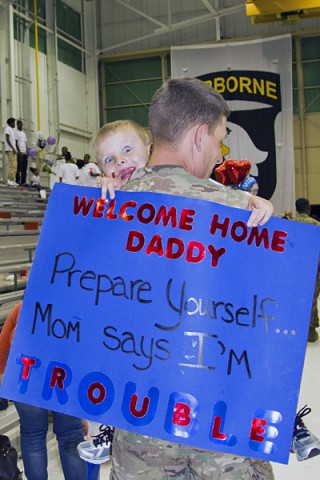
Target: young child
x=121, y=147
x=35, y=179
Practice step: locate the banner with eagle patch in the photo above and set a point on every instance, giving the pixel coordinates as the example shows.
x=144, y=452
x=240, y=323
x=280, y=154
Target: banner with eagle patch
x=255, y=78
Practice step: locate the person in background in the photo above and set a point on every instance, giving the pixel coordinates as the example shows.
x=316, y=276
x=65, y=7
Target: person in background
x=304, y=443
x=56, y=168
x=64, y=153
x=91, y=170
x=287, y=215
x=303, y=215
x=69, y=172
x=35, y=179
x=10, y=148
x=22, y=154
x=81, y=173
x=34, y=425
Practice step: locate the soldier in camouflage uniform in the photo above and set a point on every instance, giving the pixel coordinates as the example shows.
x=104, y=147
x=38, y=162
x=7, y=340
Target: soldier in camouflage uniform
x=303, y=215
x=187, y=119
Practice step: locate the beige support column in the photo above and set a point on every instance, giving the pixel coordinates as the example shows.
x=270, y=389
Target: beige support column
x=52, y=76
x=91, y=59
x=7, y=64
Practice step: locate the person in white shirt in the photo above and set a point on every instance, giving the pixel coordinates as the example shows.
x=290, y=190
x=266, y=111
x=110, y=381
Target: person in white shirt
x=56, y=168
x=92, y=171
x=22, y=155
x=10, y=148
x=69, y=172
x=82, y=180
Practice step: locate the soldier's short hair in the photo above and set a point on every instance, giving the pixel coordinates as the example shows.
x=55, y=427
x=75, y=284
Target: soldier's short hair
x=180, y=104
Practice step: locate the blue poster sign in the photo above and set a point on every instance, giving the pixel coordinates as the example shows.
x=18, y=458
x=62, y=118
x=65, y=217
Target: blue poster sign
x=169, y=317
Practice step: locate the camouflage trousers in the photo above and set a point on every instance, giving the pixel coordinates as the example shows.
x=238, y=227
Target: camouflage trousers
x=144, y=458
x=314, y=321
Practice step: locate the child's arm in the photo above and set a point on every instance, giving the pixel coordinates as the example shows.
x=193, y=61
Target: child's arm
x=261, y=210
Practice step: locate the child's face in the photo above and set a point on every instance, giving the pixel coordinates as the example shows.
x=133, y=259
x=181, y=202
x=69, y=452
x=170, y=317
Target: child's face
x=120, y=154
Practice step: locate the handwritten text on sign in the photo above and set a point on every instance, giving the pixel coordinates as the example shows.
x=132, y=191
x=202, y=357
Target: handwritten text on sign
x=168, y=317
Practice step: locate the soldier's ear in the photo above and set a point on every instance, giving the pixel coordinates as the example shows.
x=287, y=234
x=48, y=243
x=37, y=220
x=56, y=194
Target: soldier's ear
x=200, y=132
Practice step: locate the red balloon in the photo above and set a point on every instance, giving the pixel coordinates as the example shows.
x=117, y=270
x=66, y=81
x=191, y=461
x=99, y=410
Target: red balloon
x=238, y=170
x=222, y=174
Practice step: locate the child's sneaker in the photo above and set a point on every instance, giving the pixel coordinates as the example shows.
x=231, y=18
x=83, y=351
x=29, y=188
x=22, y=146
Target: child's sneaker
x=97, y=450
x=304, y=444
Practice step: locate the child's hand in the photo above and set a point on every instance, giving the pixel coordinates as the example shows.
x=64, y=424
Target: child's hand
x=107, y=185
x=261, y=210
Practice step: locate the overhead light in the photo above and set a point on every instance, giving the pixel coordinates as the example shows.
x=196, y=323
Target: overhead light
x=281, y=10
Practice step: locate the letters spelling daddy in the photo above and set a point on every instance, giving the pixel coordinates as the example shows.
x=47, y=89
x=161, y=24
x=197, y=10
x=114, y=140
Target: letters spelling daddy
x=174, y=248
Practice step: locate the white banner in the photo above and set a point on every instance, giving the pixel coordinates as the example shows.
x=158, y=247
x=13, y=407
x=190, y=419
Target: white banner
x=255, y=77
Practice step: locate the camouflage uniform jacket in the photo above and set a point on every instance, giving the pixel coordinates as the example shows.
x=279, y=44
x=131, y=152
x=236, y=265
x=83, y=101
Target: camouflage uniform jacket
x=134, y=453
x=177, y=181
x=304, y=218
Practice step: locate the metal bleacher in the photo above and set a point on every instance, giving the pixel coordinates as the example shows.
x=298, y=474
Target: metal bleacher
x=21, y=216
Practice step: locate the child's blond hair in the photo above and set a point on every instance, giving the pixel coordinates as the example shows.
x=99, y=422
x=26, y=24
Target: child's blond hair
x=112, y=127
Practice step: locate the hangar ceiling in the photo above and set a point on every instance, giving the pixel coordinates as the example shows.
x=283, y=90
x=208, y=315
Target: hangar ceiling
x=127, y=22
x=162, y=17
